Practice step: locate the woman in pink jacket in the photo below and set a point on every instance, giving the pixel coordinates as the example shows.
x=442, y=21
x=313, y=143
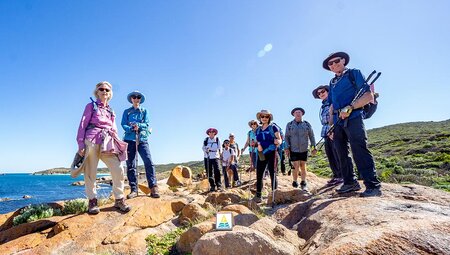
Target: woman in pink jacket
x=97, y=140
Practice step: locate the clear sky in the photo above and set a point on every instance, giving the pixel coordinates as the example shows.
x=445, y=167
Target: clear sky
x=202, y=64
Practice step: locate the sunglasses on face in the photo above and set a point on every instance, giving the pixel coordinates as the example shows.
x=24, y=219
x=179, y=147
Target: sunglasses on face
x=136, y=97
x=265, y=116
x=321, y=92
x=331, y=62
x=103, y=89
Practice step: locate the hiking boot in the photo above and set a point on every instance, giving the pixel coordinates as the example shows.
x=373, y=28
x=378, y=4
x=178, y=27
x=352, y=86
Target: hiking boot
x=295, y=184
x=121, y=205
x=303, y=186
x=154, y=192
x=348, y=188
x=132, y=194
x=212, y=189
x=257, y=199
x=376, y=192
x=93, y=207
x=219, y=188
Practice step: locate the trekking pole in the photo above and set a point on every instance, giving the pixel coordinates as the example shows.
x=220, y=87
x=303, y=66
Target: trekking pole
x=136, y=159
x=274, y=185
x=207, y=168
x=358, y=95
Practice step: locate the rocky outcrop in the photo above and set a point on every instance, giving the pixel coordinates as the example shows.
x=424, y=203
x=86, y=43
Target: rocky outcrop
x=109, y=231
x=391, y=224
x=406, y=219
x=180, y=176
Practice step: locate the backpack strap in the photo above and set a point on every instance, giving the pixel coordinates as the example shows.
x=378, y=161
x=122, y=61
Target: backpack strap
x=351, y=77
x=94, y=104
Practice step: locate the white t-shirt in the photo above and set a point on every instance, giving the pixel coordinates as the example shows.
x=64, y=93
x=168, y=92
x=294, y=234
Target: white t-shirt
x=226, y=156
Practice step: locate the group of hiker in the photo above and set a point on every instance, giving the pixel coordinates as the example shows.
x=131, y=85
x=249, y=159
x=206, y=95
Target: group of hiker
x=344, y=103
x=98, y=139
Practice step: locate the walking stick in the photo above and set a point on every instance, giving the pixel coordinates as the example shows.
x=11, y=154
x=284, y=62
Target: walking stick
x=207, y=168
x=275, y=170
x=136, y=162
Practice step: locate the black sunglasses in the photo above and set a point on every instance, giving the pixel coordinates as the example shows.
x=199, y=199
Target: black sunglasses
x=136, y=97
x=321, y=92
x=103, y=89
x=330, y=63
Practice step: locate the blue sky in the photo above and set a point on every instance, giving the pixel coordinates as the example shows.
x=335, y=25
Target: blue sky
x=200, y=65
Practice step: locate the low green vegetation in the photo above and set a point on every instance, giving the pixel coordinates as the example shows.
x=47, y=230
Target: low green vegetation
x=164, y=245
x=41, y=211
x=75, y=206
x=417, y=152
x=35, y=212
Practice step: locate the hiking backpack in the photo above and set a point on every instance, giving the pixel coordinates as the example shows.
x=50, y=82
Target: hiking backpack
x=205, y=142
x=368, y=109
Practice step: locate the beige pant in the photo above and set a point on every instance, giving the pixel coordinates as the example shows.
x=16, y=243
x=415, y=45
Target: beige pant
x=90, y=172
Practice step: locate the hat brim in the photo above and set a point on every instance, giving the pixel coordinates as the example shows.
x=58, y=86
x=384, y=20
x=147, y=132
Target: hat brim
x=258, y=115
x=297, y=108
x=314, y=92
x=335, y=55
x=134, y=93
x=252, y=121
x=213, y=130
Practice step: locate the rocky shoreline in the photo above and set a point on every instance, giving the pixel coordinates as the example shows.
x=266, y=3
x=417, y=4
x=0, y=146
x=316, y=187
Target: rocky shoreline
x=408, y=218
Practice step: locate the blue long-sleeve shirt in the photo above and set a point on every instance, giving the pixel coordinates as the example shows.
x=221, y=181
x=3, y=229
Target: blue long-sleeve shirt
x=139, y=117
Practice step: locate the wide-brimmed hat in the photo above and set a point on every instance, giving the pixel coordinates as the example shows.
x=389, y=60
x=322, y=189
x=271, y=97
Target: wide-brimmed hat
x=212, y=130
x=335, y=55
x=297, y=108
x=325, y=87
x=251, y=122
x=136, y=93
x=258, y=115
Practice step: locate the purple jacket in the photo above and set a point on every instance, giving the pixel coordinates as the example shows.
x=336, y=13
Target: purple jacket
x=93, y=122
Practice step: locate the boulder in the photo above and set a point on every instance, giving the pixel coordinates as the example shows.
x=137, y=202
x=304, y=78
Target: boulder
x=180, y=176
x=78, y=183
x=242, y=240
x=288, y=196
x=192, y=212
x=188, y=239
x=223, y=198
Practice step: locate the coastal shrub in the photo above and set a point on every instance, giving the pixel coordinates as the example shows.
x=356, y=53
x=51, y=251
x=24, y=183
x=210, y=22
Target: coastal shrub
x=35, y=212
x=75, y=206
x=165, y=244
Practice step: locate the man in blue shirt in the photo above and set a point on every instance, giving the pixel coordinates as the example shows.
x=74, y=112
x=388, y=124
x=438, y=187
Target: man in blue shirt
x=347, y=117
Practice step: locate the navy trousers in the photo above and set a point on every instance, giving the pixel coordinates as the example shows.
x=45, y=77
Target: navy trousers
x=144, y=151
x=354, y=133
x=332, y=156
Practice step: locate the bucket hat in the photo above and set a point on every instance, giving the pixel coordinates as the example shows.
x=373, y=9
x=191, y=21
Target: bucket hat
x=334, y=55
x=136, y=93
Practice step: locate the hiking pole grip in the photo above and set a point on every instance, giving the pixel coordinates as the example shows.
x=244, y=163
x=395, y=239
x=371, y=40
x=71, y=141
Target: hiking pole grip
x=376, y=78
x=370, y=75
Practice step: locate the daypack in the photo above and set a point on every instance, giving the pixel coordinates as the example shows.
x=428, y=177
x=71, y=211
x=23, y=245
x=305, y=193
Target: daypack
x=205, y=142
x=272, y=133
x=370, y=108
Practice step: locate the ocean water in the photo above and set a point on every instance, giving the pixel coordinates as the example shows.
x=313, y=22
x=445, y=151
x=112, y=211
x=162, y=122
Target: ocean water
x=42, y=189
